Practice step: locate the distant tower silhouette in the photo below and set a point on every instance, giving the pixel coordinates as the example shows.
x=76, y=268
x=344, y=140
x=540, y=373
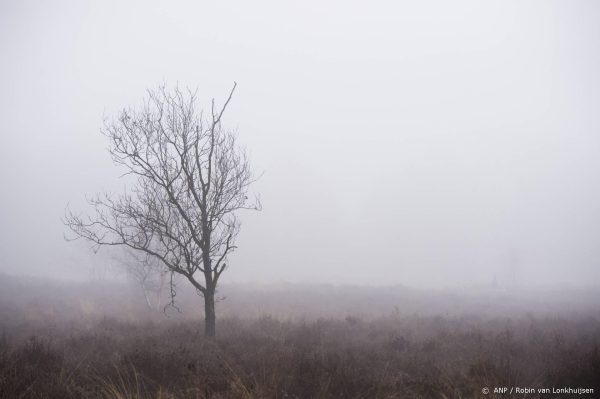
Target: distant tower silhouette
x=512, y=266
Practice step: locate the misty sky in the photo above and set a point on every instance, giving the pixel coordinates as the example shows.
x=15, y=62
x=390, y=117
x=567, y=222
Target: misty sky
x=419, y=143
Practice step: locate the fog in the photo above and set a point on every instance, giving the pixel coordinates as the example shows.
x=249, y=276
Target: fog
x=422, y=143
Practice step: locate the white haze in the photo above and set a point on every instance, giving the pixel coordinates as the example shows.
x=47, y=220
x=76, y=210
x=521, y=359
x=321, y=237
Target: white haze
x=418, y=143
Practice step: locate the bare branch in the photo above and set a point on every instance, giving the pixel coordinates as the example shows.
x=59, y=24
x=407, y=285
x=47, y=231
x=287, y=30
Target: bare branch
x=191, y=178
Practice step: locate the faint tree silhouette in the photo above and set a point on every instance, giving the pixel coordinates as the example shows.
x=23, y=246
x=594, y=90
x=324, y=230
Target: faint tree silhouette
x=147, y=271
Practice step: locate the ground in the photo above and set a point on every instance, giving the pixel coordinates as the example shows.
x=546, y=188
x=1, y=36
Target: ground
x=58, y=343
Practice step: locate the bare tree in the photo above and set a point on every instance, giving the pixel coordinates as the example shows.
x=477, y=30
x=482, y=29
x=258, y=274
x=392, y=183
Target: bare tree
x=147, y=271
x=191, y=178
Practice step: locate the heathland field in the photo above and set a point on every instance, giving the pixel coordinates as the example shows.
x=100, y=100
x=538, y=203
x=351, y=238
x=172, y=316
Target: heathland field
x=74, y=340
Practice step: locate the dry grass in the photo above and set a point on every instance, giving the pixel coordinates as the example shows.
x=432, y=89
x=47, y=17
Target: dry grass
x=95, y=341
x=393, y=357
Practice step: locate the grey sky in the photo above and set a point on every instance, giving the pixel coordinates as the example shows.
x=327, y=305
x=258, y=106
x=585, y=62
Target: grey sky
x=419, y=143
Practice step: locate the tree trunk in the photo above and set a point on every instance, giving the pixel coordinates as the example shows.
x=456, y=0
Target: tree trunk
x=209, y=313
